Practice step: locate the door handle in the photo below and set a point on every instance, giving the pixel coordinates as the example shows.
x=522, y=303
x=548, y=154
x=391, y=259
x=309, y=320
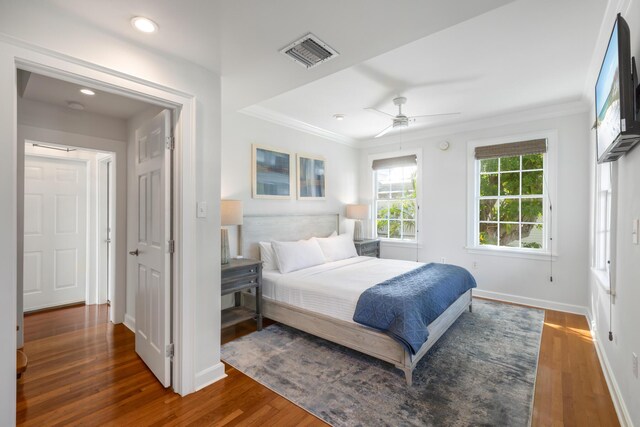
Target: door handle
x=136, y=252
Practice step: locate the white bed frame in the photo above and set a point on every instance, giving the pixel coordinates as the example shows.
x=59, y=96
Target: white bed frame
x=357, y=337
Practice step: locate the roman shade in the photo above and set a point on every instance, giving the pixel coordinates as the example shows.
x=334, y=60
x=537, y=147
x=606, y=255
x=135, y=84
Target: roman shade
x=395, y=162
x=521, y=148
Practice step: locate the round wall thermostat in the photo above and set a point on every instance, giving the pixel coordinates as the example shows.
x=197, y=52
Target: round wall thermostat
x=444, y=145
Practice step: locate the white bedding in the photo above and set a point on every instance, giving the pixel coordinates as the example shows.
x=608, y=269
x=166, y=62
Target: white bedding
x=332, y=289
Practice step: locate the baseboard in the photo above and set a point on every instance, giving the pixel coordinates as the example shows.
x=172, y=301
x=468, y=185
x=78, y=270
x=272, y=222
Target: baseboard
x=130, y=322
x=533, y=302
x=209, y=376
x=52, y=307
x=612, y=384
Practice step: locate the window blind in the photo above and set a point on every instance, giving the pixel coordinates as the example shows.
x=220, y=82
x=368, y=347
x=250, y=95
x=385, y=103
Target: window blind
x=521, y=148
x=395, y=162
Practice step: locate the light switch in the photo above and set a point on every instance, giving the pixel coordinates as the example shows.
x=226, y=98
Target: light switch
x=636, y=227
x=201, y=210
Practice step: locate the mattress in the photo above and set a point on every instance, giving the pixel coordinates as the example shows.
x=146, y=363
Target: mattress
x=333, y=288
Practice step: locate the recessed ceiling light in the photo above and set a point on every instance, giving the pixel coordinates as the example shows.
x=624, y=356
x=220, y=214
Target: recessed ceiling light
x=75, y=105
x=338, y=117
x=86, y=91
x=144, y=25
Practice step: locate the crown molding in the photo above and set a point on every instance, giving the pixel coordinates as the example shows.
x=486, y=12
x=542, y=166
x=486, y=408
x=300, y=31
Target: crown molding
x=496, y=120
x=284, y=120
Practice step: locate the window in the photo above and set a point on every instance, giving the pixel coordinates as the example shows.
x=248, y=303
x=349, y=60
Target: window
x=395, y=194
x=602, y=253
x=510, y=196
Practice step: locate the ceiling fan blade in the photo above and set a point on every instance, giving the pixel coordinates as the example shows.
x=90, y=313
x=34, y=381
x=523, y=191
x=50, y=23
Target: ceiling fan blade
x=387, y=129
x=434, y=115
x=375, y=110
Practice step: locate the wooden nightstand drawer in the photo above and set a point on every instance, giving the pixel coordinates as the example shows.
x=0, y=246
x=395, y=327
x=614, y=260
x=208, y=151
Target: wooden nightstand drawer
x=368, y=248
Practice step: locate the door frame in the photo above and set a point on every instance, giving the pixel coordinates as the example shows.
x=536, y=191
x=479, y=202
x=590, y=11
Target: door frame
x=182, y=106
x=106, y=190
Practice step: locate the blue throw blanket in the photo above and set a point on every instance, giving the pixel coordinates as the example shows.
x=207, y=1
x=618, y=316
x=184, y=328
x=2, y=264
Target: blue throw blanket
x=405, y=305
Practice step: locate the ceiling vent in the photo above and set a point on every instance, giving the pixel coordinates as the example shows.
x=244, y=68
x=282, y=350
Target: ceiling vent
x=309, y=51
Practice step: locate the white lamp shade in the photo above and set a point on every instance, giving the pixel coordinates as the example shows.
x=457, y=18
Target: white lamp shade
x=231, y=212
x=358, y=211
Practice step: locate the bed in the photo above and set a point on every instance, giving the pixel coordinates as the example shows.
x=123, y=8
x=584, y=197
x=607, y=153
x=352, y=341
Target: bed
x=321, y=300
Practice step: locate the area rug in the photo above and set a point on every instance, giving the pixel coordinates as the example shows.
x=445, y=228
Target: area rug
x=481, y=372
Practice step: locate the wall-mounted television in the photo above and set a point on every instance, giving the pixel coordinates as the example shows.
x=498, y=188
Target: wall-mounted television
x=617, y=97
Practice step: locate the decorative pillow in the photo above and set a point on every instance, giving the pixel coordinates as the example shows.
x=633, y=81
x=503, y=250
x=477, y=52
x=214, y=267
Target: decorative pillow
x=337, y=247
x=268, y=256
x=292, y=256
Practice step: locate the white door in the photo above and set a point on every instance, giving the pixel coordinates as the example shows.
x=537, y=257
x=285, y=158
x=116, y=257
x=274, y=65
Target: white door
x=55, y=232
x=151, y=256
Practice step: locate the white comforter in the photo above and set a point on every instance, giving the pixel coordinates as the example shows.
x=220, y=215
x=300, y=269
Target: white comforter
x=332, y=289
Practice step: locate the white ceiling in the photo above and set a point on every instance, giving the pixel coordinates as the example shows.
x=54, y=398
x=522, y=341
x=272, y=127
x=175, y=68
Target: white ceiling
x=482, y=58
x=58, y=92
x=240, y=39
x=523, y=55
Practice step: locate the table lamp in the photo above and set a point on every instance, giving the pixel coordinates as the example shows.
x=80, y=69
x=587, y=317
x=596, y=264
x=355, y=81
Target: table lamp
x=358, y=212
x=230, y=214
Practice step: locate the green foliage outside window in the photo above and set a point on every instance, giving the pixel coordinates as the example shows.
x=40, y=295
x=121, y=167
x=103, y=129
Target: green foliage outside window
x=511, y=201
x=396, y=203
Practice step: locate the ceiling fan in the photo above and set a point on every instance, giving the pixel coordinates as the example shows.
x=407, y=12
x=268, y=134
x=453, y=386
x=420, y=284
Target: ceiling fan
x=400, y=120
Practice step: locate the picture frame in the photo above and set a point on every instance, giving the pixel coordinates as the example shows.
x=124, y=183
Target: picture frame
x=310, y=177
x=272, y=172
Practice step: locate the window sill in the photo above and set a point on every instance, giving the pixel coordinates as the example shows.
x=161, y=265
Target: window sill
x=398, y=243
x=512, y=253
x=602, y=278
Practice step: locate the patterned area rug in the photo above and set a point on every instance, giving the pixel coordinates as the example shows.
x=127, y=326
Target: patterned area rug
x=481, y=372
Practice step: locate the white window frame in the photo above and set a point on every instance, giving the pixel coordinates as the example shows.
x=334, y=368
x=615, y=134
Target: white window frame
x=549, y=196
x=603, y=226
x=373, y=224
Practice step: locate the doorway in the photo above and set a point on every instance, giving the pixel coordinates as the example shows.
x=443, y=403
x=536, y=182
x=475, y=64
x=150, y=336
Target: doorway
x=62, y=227
x=97, y=215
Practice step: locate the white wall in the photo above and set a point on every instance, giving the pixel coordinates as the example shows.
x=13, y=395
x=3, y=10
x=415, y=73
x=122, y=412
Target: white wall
x=50, y=116
x=443, y=215
x=616, y=354
x=91, y=48
x=132, y=217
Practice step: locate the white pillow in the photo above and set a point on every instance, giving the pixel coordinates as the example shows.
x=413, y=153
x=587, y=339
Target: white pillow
x=337, y=247
x=268, y=256
x=292, y=256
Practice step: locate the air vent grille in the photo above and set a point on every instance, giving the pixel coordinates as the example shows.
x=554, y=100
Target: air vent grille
x=309, y=51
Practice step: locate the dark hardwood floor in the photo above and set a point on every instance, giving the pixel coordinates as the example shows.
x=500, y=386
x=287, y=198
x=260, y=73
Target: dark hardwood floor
x=84, y=371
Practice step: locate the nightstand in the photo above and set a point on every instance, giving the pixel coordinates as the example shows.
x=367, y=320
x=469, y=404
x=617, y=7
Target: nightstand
x=237, y=276
x=369, y=247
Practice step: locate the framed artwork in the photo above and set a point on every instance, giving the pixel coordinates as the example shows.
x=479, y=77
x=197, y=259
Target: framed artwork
x=272, y=173
x=311, y=177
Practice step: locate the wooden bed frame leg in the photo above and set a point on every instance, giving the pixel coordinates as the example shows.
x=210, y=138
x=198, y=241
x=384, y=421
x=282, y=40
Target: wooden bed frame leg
x=471, y=307
x=408, y=373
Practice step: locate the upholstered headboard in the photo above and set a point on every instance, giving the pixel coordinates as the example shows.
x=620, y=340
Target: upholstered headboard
x=284, y=228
